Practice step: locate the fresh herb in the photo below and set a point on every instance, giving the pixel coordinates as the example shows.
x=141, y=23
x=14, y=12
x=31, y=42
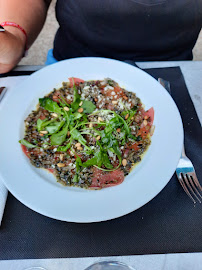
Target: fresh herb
x=131, y=114
x=77, y=115
x=110, y=82
x=54, y=127
x=27, y=144
x=106, y=161
x=88, y=106
x=132, y=137
x=78, y=169
x=64, y=148
x=60, y=137
x=96, y=160
x=76, y=178
x=50, y=105
x=40, y=124
x=63, y=101
x=76, y=135
x=77, y=98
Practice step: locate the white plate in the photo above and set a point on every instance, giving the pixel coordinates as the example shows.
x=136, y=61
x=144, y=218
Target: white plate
x=39, y=190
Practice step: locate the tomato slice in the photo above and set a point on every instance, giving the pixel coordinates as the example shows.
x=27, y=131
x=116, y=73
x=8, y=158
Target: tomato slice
x=25, y=150
x=134, y=146
x=103, y=179
x=73, y=80
x=118, y=92
x=143, y=132
x=150, y=114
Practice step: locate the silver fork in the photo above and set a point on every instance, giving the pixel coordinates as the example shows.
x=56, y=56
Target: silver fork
x=188, y=179
x=185, y=169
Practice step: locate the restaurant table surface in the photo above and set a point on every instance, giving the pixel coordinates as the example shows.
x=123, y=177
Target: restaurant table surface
x=192, y=71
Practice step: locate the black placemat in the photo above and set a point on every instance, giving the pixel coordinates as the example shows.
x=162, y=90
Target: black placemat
x=170, y=223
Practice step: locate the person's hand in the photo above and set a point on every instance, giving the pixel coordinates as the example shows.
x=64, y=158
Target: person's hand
x=12, y=46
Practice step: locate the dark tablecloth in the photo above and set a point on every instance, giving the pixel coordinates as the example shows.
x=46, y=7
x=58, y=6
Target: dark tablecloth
x=170, y=223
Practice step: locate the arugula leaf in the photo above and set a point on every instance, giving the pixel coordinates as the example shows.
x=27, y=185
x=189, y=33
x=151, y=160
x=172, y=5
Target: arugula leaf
x=116, y=150
x=78, y=164
x=60, y=137
x=110, y=82
x=78, y=169
x=99, y=132
x=105, y=140
x=27, y=144
x=54, y=127
x=50, y=105
x=106, y=161
x=69, y=117
x=77, y=115
x=62, y=104
x=41, y=124
x=76, y=100
x=133, y=137
x=100, y=158
x=127, y=129
x=88, y=106
x=76, y=135
x=64, y=148
x=63, y=101
x=76, y=178
x=131, y=114
x=96, y=160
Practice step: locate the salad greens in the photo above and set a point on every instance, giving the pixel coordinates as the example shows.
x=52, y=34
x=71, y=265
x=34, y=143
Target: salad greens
x=59, y=137
x=88, y=106
x=50, y=105
x=54, y=127
x=70, y=124
x=77, y=99
x=27, y=144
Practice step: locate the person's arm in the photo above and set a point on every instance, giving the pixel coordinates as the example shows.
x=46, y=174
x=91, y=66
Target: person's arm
x=31, y=15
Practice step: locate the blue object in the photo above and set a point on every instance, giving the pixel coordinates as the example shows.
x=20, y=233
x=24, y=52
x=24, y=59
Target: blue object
x=50, y=58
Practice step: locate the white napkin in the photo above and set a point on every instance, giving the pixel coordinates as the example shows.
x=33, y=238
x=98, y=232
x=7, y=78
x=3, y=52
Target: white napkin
x=9, y=83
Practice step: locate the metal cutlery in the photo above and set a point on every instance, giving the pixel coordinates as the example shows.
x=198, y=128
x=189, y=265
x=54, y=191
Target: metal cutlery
x=185, y=169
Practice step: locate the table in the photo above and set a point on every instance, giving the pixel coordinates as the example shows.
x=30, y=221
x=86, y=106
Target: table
x=192, y=72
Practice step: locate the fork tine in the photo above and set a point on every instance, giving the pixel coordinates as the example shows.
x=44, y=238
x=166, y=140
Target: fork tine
x=194, y=185
x=196, y=181
x=187, y=180
x=181, y=180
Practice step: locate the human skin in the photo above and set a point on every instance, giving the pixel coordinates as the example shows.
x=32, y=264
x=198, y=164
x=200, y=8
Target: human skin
x=30, y=15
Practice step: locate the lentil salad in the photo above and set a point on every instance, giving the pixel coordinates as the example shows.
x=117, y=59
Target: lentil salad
x=89, y=134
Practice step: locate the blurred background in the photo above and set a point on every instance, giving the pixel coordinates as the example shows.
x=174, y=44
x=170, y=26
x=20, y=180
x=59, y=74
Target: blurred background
x=44, y=42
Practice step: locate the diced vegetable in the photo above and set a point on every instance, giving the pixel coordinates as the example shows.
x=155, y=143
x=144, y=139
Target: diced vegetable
x=74, y=80
x=150, y=115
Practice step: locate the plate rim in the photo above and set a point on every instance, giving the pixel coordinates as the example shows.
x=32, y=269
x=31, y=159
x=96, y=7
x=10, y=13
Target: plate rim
x=35, y=74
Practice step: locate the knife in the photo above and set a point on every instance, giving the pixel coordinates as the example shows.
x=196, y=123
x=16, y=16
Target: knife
x=2, y=92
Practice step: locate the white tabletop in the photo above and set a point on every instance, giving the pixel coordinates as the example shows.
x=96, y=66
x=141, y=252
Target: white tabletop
x=192, y=72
